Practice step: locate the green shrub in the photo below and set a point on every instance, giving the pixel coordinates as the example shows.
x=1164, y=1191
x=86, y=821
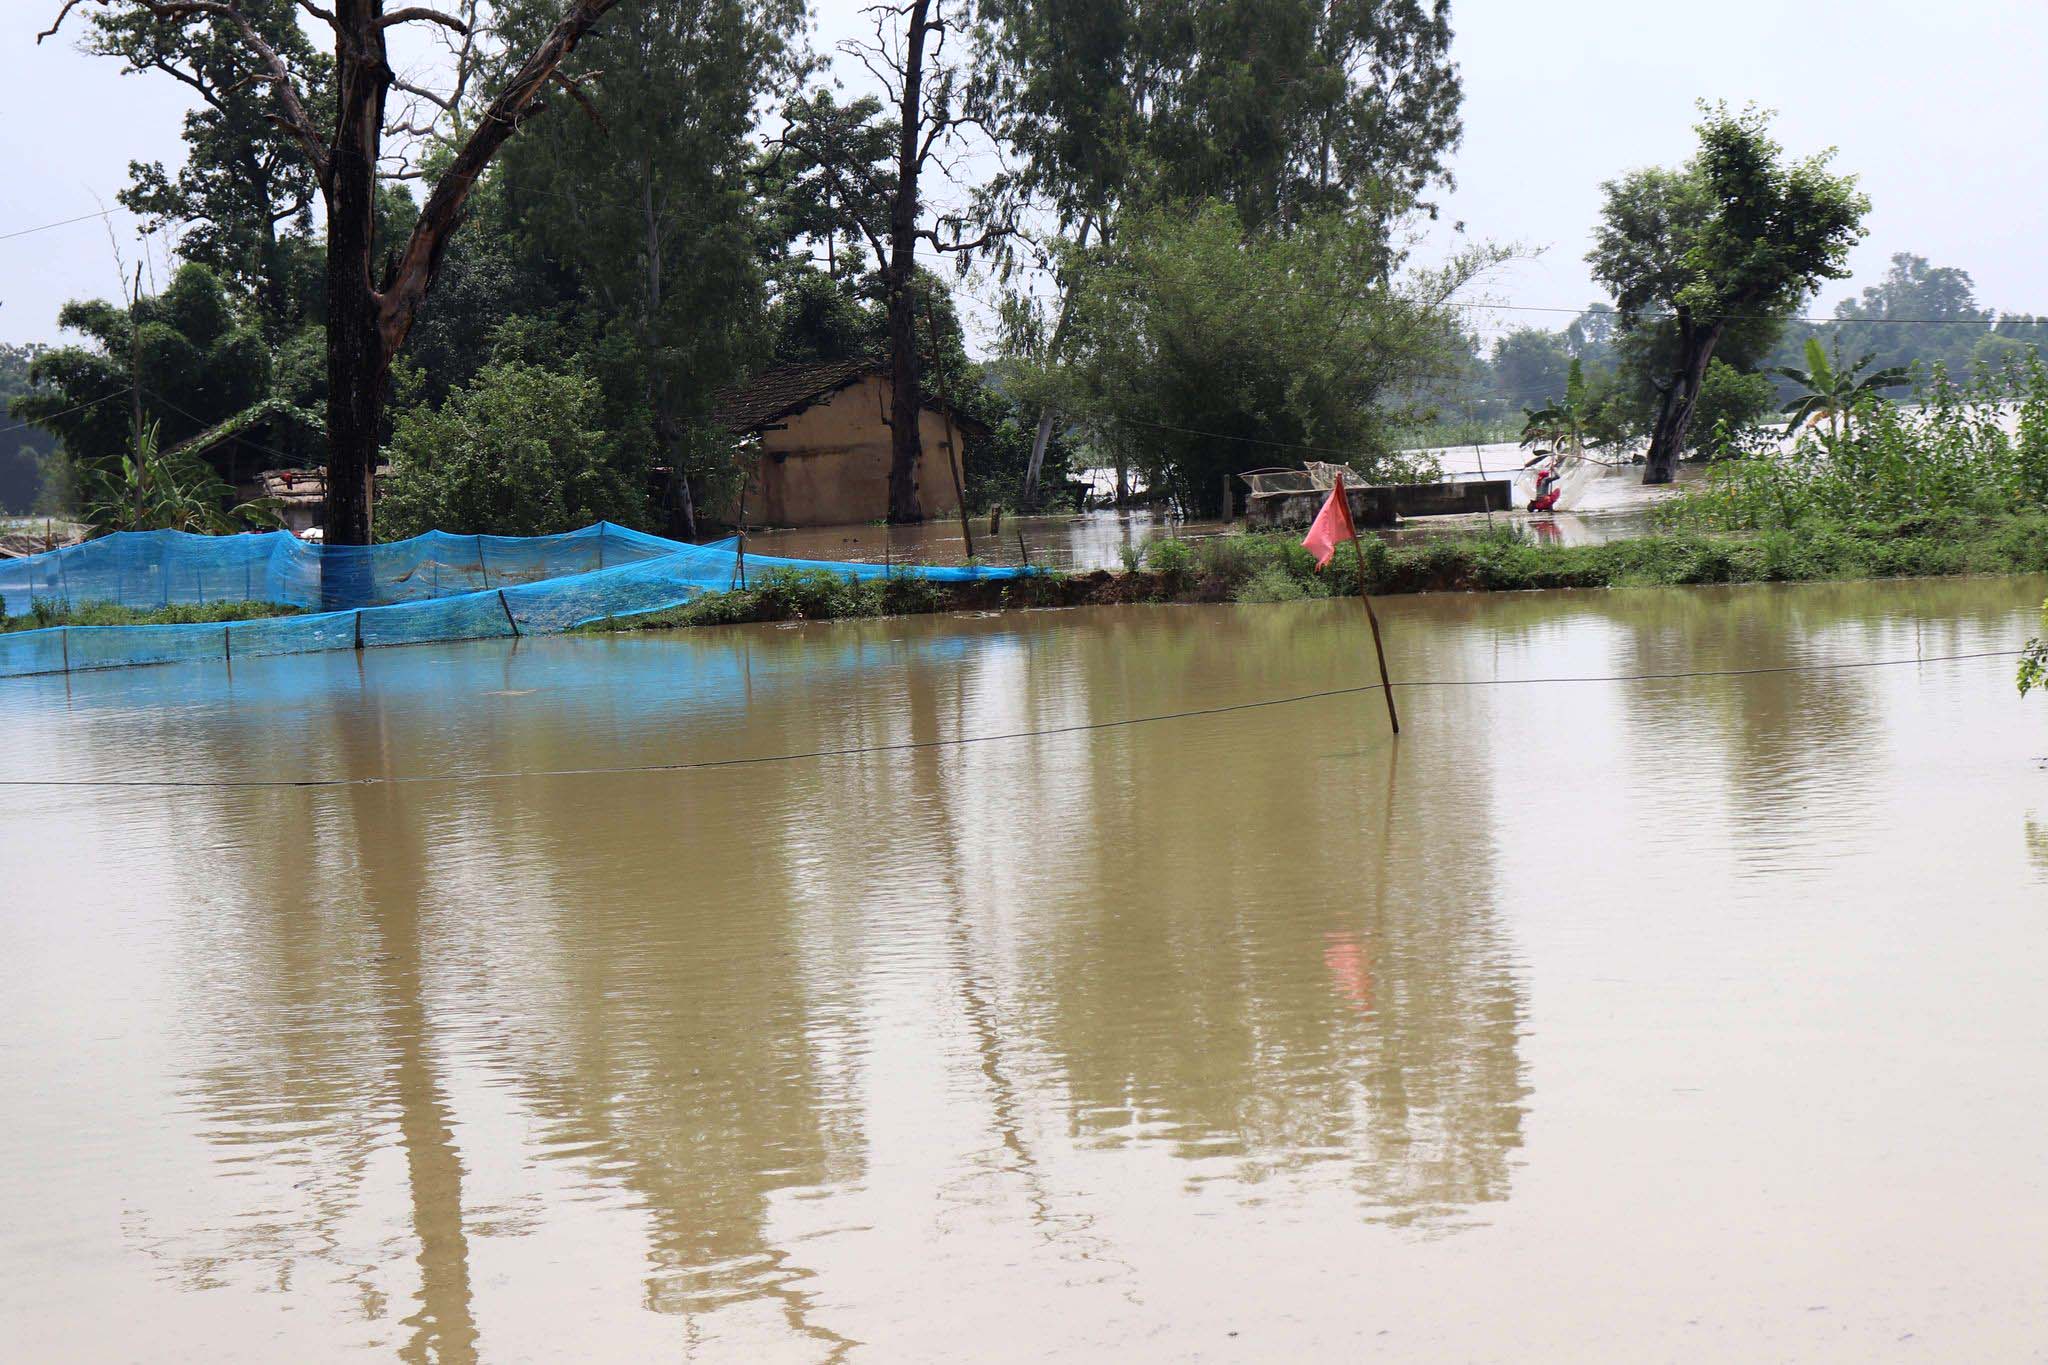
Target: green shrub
x=1171, y=559
x=1270, y=584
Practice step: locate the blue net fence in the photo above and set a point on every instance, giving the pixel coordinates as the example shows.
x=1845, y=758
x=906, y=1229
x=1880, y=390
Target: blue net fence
x=432, y=587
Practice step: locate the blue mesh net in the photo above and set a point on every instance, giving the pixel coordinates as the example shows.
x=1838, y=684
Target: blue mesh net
x=432, y=587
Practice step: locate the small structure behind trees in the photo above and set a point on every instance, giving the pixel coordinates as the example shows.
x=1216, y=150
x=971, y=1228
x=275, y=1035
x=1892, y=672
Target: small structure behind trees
x=826, y=445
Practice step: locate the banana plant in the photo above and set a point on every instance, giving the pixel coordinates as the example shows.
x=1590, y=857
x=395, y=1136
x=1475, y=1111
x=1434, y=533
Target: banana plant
x=1833, y=392
x=156, y=490
x=1561, y=421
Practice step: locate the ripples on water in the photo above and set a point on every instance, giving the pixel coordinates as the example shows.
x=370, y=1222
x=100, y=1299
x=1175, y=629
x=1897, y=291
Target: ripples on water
x=1675, y=1001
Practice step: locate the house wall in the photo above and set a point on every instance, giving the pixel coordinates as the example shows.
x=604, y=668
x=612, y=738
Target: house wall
x=828, y=465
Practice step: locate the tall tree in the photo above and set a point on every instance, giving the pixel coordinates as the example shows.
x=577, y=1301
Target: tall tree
x=370, y=306
x=650, y=205
x=926, y=88
x=245, y=184
x=1738, y=233
x=1198, y=354
x=178, y=363
x=1285, y=109
x=829, y=177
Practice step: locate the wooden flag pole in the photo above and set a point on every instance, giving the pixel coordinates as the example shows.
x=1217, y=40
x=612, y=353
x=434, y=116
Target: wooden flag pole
x=1378, y=647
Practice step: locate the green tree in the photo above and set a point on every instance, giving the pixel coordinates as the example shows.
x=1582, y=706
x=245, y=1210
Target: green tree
x=1529, y=363
x=244, y=188
x=520, y=451
x=1832, y=391
x=827, y=179
x=1731, y=404
x=201, y=360
x=650, y=204
x=1286, y=109
x=1740, y=232
x=25, y=448
x=1197, y=353
x=374, y=288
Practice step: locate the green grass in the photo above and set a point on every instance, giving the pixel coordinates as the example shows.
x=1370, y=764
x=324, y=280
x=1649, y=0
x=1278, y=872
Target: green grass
x=42, y=614
x=1261, y=568
x=793, y=595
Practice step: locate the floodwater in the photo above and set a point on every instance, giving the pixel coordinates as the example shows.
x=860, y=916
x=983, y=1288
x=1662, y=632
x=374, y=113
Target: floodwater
x=1662, y=1018
x=1611, y=504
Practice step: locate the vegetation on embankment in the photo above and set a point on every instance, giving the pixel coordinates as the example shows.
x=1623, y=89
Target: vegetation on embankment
x=43, y=614
x=1275, y=568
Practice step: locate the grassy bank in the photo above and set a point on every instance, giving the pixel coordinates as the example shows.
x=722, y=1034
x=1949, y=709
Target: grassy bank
x=1274, y=568
x=44, y=614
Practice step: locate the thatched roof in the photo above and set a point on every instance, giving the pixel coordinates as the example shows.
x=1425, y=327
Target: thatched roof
x=783, y=390
x=780, y=390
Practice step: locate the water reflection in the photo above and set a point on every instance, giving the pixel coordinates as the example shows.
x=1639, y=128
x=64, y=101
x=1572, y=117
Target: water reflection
x=466, y=1055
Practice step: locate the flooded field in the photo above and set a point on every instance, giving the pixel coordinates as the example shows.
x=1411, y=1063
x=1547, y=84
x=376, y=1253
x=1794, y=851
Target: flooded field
x=1658, y=1018
x=1611, y=505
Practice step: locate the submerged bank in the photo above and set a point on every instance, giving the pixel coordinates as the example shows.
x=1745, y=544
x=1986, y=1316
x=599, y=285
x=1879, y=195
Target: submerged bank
x=42, y=615
x=1253, y=567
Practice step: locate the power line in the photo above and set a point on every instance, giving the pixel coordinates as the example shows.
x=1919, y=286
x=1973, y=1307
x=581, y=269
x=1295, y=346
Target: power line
x=65, y=412
x=961, y=741
x=65, y=222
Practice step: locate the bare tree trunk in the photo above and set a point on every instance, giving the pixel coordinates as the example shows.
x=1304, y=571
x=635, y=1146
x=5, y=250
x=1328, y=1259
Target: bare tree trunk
x=357, y=361
x=1674, y=416
x=1046, y=415
x=905, y=401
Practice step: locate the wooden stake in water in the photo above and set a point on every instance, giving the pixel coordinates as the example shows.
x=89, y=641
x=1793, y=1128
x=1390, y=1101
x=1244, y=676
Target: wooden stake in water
x=1378, y=647
x=953, y=461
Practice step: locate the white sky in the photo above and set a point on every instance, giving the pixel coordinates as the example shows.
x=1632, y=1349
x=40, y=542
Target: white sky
x=1936, y=106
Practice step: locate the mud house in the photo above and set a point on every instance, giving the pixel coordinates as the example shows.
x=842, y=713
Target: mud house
x=820, y=438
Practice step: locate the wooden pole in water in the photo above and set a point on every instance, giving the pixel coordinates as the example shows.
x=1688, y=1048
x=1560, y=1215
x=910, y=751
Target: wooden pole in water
x=1378, y=647
x=931, y=323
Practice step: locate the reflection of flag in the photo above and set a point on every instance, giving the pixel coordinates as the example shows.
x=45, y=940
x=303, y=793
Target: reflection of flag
x=1350, y=968
x=1331, y=525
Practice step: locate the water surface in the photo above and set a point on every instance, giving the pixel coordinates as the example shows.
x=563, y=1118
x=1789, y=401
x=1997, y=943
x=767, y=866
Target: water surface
x=1663, y=1018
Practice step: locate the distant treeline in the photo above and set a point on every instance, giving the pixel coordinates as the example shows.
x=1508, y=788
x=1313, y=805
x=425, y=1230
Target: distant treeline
x=1920, y=317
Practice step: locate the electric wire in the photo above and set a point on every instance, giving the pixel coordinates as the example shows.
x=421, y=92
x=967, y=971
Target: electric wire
x=962, y=741
x=62, y=222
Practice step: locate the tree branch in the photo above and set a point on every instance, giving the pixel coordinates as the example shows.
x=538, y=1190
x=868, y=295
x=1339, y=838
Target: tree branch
x=407, y=282
x=574, y=85
x=294, y=118
x=429, y=96
x=419, y=12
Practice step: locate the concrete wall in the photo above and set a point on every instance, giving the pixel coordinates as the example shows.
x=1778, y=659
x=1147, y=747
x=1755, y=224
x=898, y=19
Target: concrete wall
x=829, y=464
x=1453, y=499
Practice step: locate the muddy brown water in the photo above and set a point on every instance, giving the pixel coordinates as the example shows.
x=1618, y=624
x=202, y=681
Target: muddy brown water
x=1673, y=1018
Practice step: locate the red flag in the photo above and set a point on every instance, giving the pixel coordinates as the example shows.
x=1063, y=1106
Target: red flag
x=1332, y=525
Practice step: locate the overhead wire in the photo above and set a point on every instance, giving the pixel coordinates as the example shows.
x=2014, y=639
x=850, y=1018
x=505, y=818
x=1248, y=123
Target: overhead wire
x=961, y=741
x=62, y=222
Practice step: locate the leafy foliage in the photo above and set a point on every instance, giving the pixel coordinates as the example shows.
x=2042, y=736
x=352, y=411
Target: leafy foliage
x=24, y=449
x=151, y=489
x=1831, y=391
x=1740, y=233
x=2034, y=663
x=202, y=359
x=1201, y=350
x=1953, y=454
x=243, y=196
x=518, y=451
